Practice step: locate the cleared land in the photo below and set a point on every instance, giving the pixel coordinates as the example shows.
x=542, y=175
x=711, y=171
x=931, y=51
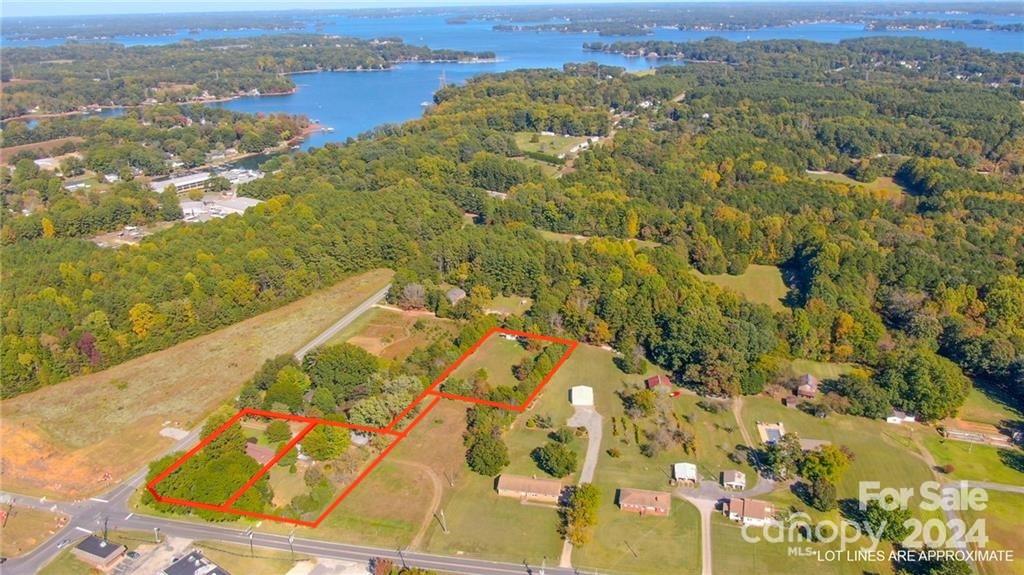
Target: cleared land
x=821, y=369
x=81, y=437
x=882, y=187
x=392, y=333
x=978, y=462
x=497, y=356
x=758, y=284
x=25, y=529
x=551, y=145
x=1002, y=526
x=984, y=406
x=509, y=305
x=566, y=238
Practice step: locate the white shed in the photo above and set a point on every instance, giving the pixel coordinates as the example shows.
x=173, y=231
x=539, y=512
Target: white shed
x=684, y=472
x=581, y=395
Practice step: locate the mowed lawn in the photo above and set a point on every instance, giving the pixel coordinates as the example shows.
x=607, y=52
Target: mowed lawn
x=497, y=356
x=975, y=461
x=393, y=334
x=884, y=453
x=822, y=369
x=1002, y=518
x=732, y=554
x=758, y=284
x=25, y=529
x=985, y=406
x=83, y=436
x=546, y=144
x=662, y=545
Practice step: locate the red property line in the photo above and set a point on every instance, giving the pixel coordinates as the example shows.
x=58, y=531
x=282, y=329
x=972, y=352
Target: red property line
x=431, y=391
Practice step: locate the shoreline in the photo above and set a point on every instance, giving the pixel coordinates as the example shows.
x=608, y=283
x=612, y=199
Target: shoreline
x=93, y=108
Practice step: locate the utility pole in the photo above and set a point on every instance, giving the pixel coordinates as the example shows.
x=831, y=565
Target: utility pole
x=291, y=540
x=10, y=509
x=631, y=550
x=402, y=558
x=252, y=551
x=105, y=520
x=156, y=535
x=440, y=518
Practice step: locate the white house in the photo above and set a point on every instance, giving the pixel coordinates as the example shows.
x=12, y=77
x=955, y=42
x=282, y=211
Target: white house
x=899, y=417
x=685, y=472
x=581, y=395
x=733, y=479
x=750, y=511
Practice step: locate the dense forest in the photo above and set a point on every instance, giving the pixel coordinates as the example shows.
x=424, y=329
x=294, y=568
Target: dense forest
x=69, y=77
x=708, y=162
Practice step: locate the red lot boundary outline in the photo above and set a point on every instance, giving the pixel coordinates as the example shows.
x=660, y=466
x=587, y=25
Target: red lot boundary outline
x=431, y=396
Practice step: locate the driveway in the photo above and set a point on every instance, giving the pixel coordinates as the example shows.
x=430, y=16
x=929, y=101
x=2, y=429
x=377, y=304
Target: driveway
x=586, y=417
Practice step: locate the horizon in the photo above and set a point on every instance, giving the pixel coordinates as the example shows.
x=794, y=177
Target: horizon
x=36, y=9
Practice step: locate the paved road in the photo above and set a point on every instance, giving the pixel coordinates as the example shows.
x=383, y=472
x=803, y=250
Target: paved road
x=342, y=323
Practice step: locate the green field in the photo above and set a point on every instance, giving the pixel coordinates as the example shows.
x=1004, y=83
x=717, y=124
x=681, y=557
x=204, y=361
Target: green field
x=758, y=284
x=732, y=554
x=1002, y=526
x=974, y=461
x=509, y=305
x=821, y=369
x=986, y=406
x=566, y=238
x=629, y=544
x=551, y=145
x=497, y=356
x=883, y=186
x=883, y=452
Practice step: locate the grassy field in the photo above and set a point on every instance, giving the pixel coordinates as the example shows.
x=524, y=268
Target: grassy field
x=984, y=406
x=237, y=559
x=25, y=529
x=509, y=305
x=1002, y=526
x=973, y=461
x=629, y=544
x=758, y=284
x=566, y=238
x=731, y=554
x=82, y=436
x=663, y=545
x=882, y=187
x=821, y=369
x=497, y=356
x=883, y=452
x=551, y=145
x=393, y=334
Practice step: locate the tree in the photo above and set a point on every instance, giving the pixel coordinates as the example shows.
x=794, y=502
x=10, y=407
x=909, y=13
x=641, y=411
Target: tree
x=278, y=431
x=555, y=459
x=827, y=463
x=579, y=515
x=921, y=382
x=284, y=391
x=782, y=457
x=487, y=455
x=887, y=522
x=344, y=369
x=823, y=495
x=326, y=442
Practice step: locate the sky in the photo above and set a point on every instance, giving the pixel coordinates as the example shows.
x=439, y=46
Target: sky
x=17, y=8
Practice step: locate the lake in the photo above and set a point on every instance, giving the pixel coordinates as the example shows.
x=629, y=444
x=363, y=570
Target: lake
x=353, y=102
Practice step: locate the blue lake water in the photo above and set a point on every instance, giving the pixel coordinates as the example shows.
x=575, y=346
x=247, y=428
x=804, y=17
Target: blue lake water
x=354, y=102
